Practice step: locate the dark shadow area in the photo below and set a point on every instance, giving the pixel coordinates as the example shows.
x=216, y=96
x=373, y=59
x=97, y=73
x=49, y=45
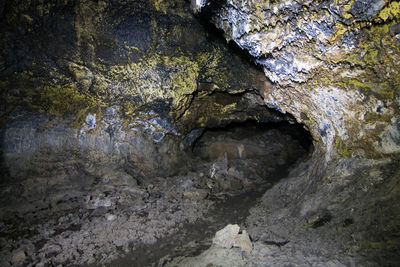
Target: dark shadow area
x=240, y=130
x=258, y=152
x=215, y=35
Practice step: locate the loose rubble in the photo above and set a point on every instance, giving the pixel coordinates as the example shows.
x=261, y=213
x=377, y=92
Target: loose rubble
x=97, y=215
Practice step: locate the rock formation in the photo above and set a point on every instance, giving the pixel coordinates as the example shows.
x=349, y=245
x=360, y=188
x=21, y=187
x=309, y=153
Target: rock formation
x=333, y=65
x=104, y=104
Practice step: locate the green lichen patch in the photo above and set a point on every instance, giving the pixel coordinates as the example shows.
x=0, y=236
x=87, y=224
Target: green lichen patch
x=341, y=148
x=66, y=101
x=120, y=54
x=390, y=11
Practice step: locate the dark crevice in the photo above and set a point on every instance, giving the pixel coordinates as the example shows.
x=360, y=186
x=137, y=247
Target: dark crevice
x=296, y=131
x=265, y=152
x=215, y=34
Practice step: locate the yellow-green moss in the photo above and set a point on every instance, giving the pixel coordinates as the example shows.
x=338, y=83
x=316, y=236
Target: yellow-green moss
x=66, y=101
x=62, y=99
x=346, y=9
x=211, y=64
x=160, y=5
x=357, y=84
x=391, y=11
x=27, y=17
x=340, y=30
x=184, y=79
x=373, y=117
x=178, y=77
x=341, y=148
x=77, y=70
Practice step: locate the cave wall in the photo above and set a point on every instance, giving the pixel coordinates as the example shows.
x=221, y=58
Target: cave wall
x=130, y=83
x=334, y=65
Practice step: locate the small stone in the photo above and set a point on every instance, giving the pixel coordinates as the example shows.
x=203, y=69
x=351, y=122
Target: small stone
x=218, y=167
x=110, y=217
x=19, y=257
x=226, y=237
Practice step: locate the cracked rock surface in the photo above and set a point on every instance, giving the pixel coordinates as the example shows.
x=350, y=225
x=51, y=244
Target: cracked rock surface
x=334, y=65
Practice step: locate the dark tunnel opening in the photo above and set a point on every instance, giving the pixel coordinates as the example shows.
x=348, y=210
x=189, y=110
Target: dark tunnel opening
x=251, y=152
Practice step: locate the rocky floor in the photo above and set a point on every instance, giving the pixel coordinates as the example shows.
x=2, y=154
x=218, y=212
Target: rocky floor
x=348, y=222
x=97, y=215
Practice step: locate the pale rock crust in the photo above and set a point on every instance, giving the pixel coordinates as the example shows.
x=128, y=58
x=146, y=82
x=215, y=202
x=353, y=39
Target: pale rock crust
x=332, y=64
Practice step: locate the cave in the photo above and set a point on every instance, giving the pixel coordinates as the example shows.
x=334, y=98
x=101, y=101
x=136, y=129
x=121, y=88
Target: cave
x=263, y=152
x=199, y=133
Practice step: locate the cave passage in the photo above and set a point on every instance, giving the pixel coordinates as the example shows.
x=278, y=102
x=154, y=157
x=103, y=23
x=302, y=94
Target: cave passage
x=251, y=152
x=98, y=164
x=132, y=132
x=100, y=213
x=234, y=164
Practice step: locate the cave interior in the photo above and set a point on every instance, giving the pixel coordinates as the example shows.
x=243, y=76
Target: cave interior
x=199, y=133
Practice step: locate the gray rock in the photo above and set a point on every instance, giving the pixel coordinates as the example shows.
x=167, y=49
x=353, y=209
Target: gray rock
x=389, y=141
x=226, y=237
x=110, y=217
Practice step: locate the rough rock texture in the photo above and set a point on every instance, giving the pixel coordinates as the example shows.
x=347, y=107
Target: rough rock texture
x=122, y=82
x=229, y=237
x=350, y=218
x=102, y=101
x=334, y=65
x=226, y=237
x=90, y=214
x=96, y=222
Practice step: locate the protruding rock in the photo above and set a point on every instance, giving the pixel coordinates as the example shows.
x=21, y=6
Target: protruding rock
x=229, y=237
x=197, y=5
x=226, y=237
